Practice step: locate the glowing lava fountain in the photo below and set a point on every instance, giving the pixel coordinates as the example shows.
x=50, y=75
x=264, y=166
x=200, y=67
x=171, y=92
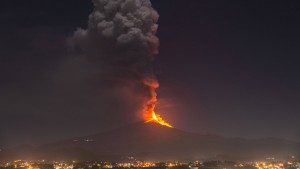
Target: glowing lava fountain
x=158, y=119
x=149, y=113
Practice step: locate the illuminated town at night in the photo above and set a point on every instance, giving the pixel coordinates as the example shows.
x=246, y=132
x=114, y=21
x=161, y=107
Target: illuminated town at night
x=273, y=164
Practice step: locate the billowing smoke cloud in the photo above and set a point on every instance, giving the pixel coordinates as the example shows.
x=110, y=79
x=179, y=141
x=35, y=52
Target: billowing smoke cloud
x=120, y=41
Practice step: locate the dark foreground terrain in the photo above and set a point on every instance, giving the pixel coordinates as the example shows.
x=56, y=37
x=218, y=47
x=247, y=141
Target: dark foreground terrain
x=155, y=142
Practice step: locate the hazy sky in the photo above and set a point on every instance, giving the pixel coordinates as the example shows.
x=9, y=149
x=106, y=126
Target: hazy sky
x=225, y=67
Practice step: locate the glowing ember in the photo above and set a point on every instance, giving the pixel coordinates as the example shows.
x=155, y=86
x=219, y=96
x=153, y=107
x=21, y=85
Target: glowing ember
x=158, y=119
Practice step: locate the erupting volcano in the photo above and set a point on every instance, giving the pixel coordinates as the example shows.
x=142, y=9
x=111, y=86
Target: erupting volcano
x=149, y=114
x=121, y=41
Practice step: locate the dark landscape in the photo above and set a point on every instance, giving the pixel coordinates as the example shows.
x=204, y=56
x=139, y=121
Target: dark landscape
x=151, y=141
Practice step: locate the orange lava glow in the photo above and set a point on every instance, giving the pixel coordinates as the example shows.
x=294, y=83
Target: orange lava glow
x=158, y=119
x=149, y=106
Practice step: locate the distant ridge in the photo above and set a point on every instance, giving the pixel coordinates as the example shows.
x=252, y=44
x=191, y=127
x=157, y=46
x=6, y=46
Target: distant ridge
x=151, y=141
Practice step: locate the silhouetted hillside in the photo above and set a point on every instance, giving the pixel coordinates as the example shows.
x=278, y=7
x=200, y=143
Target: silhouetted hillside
x=155, y=142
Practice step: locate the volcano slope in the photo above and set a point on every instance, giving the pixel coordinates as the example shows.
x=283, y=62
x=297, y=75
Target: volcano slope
x=152, y=141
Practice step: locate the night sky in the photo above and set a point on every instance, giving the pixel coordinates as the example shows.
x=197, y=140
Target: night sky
x=225, y=67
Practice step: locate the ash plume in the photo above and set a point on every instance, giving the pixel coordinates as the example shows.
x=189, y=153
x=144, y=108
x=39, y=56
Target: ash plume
x=120, y=42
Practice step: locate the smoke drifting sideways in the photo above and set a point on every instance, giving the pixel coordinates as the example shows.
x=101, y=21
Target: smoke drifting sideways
x=120, y=41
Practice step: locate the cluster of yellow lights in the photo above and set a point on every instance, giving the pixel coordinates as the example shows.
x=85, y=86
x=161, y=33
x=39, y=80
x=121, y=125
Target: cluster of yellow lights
x=158, y=119
x=268, y=165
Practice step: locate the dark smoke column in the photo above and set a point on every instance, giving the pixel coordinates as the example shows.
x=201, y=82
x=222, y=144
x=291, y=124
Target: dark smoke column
x=121, y=41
